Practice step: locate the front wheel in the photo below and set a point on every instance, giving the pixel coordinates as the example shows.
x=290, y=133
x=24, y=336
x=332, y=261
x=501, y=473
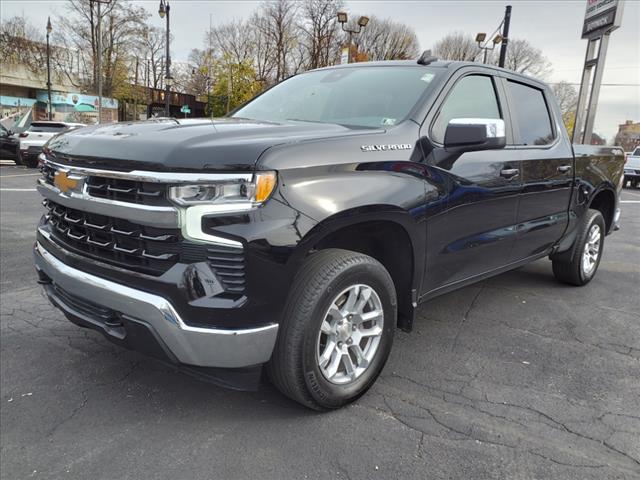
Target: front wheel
x=585, y=258
x=337, y=330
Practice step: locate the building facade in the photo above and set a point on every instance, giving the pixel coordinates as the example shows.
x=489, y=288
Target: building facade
x=628, y=136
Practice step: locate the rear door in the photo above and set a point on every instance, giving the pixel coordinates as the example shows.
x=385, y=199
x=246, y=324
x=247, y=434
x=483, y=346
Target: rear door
x=476, y=232
x=546, y=160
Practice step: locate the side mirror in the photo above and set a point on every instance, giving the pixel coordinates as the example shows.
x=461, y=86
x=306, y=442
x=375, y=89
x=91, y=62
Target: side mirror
x=474, y=134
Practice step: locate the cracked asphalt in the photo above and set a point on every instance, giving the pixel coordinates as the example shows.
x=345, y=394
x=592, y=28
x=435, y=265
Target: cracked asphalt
x=518, y=377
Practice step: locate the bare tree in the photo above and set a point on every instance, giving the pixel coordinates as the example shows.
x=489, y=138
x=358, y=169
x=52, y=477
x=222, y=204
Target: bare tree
x=522, y=57
x=567, y=98
x=262, y=44
x=231, y=40
x=21, y=43
x=566, y=95
x=456, y=46
x=281, y=30
x=385, y=39
x=151, y=49
x=319, y=31
x=122, y=25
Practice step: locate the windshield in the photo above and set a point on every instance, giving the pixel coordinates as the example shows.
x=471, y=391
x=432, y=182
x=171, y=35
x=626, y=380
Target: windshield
x=364, y=97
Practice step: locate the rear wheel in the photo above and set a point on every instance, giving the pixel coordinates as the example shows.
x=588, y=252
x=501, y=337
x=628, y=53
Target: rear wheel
x=585, y=258
x=18, y=159
x=337, y=330
x=30, y=162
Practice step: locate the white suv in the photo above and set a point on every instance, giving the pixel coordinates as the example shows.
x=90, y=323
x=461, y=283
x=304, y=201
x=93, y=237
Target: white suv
x=33, y=139
x=632, y=168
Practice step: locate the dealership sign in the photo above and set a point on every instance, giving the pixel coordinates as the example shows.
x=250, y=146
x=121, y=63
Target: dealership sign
x=602, y=16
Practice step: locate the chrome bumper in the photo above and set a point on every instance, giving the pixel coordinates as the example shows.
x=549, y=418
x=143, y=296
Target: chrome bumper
x=205, y=347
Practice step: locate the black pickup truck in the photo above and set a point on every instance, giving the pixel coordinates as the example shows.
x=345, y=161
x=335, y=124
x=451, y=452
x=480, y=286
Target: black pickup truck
x=300, y=231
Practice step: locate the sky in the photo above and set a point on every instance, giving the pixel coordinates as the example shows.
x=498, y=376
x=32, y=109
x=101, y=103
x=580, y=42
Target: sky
x=554, y=26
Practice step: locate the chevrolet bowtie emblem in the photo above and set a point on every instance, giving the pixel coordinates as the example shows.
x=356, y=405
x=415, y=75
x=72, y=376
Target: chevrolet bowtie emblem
x=63, y=182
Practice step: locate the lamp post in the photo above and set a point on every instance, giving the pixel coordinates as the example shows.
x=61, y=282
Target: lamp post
x=362, y=22
x=480, y=39
x=49, y=29
x=164, y=11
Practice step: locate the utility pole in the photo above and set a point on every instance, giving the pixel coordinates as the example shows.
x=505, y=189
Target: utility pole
x=49, y=28
x=505, y=36
x=99, y=64
x=209, y=68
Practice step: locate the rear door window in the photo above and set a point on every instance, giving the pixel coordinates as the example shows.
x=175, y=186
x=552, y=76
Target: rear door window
x=530, y=113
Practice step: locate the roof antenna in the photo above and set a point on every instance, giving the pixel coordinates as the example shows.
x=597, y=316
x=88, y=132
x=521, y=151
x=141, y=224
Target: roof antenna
x=426, y=58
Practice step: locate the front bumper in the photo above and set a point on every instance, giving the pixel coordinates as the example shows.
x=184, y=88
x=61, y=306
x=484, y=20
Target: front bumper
x=126, y=306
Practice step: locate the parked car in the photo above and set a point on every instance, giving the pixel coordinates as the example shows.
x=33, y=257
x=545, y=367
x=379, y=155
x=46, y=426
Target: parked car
x=632, y=168
x=303, y=229
x=34, y=137
x=8, y=144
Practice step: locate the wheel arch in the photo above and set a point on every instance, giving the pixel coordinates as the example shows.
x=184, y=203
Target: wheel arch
x=604, y=200
x=382, y=232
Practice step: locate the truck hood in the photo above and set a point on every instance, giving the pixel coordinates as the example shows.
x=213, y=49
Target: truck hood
x=184, y=145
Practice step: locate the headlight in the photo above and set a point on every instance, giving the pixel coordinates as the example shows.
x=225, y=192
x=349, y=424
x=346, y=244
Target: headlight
x=235, y=191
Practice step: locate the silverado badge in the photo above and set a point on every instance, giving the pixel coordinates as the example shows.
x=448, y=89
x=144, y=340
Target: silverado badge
x=385, y=148
x=64, y=182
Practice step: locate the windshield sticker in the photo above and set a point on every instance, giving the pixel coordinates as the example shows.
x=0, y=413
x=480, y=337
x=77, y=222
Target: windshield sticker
x=427, y=77
x=388, y=121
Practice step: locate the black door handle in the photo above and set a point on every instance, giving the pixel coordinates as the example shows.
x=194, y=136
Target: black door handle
x=564, y=168
x=509, y=172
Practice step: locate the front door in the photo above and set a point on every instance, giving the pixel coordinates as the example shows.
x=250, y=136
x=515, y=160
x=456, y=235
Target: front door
x=475, y=233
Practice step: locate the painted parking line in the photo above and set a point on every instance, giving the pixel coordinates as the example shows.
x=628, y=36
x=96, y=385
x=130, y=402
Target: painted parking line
x=18, y=190
x=7, y=162
x=629, y=201
x=22, y=175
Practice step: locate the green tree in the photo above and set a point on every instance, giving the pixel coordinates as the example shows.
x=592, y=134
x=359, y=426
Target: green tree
x=233, y=85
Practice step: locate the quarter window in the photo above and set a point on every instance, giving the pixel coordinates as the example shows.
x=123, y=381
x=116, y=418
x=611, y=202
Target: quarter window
x=472, y=97
x=530, y=114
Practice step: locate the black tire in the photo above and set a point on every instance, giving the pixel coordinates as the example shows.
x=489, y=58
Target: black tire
x=634, y=183
x=18, y=159
x=30, y=162
x=571, y=270
x=294, y=367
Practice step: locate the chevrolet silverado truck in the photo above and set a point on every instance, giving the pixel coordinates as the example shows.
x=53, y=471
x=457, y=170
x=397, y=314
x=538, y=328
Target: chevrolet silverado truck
x=297, y=233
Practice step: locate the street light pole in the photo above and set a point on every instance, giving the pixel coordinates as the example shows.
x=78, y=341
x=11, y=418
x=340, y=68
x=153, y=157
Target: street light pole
x=362, y=22
x=505, y=36
x=49, y=29
x=162, y=11
x=482, y=45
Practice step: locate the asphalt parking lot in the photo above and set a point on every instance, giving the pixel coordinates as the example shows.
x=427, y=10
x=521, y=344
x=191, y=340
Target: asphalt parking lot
x=518, y=377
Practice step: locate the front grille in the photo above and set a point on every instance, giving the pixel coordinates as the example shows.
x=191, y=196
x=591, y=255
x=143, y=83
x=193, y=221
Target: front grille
x=228, y=263
x=145, y=193
x=117, y=241
x=141, y=248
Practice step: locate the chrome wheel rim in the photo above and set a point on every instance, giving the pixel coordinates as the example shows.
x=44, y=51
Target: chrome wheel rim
x=591, y=250
x=350, y=334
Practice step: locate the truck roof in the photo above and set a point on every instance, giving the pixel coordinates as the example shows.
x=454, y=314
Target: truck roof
x=448, y=64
